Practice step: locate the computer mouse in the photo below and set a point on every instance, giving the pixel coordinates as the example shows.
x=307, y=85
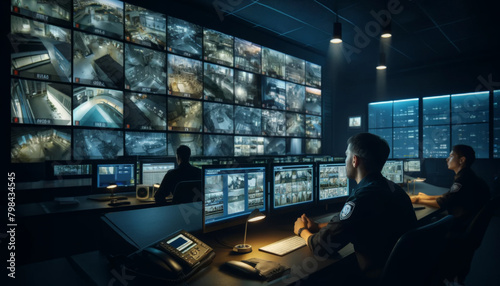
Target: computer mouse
x=239, y=267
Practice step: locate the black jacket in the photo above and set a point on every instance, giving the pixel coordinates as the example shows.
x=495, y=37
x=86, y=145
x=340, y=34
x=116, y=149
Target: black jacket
x=376, y=214
x=184, y=172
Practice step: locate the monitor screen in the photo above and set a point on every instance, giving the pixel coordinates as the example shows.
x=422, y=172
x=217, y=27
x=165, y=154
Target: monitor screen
x=103, y=17
x=248, y=146
x=145, y=69
x=120, y=174
x=295, y=97
x=218, y=83
x=145, y=27
x=247, y=120
x=273, y=93
x=273, y=63
x=69, y=169
x=185, y=77
x=218, y=118
x=231, y=193
x=412, y=166
x=246, y=89
x=247, y=55
x=184, y=38
x=184, y=115
x=153, y=172
x=393, y=171
x=313, y=75
x=218, y=47
x=295, y=69
x=31, y=144
x=145, y=144
x=292, y=185
x=332, y=181
x=97, y=107
x=218, y=145
x=97, y=144
x=145, y=111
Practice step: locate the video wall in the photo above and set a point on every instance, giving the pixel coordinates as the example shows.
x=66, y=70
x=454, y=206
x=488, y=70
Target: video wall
x=103, y=79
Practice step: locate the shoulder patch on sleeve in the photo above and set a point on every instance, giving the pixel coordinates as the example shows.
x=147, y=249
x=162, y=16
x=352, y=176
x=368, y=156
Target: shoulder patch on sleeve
x=455, y=187
x=347, y=210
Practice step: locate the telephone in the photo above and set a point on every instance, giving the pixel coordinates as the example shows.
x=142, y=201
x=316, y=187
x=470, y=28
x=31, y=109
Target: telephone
x=173, y=259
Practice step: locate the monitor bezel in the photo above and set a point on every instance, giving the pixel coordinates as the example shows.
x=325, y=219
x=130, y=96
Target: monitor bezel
x=239, y=219
x=296, y=207
x=120, y=189
x=143, y=161
x=334, y=200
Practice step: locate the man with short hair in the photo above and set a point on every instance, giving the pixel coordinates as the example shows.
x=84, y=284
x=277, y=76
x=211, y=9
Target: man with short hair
x=184, y=172
x=374, y=216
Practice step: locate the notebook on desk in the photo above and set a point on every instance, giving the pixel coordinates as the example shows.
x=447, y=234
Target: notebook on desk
x=285, y=245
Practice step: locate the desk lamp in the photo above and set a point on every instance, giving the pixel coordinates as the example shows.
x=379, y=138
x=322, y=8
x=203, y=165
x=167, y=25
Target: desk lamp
x=112, y=188
x=414, y=182
x=155, y=189
x=255, y=215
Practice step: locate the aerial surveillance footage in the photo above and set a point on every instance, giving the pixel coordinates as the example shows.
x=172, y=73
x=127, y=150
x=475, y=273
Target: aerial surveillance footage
x=145, y=70
x=145, y=27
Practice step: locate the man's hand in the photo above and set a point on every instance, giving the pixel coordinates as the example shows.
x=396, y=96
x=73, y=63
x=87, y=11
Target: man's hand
x=299, y=223
x=311, y=225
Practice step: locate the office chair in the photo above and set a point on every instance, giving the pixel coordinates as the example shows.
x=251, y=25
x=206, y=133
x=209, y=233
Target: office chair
x=456, y=262
x=187, y=192
x=414, y=258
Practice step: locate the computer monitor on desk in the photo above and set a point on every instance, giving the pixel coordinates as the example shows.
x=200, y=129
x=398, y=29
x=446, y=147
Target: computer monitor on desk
x=393, y=171
x=333, y=184
x=292, y=187
x=231, y=193
x=119, y=173
x=152, y=172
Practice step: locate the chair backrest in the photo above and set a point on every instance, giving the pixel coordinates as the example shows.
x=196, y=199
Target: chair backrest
x=414, y=258
x=187, y=192
x=478, y=226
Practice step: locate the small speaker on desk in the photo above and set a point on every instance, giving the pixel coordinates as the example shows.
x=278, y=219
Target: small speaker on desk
x=145, y=193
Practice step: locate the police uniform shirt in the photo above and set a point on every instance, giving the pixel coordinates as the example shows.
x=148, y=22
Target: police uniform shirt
x=183, y=172
x=373, y=218
x=466, y=197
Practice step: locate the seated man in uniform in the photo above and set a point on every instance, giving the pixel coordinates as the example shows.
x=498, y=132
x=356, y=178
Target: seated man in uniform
x=375, y=215
x=184, y=172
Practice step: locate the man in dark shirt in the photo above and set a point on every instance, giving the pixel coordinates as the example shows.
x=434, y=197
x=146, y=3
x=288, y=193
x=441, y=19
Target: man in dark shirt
x=184, y=172
x=375, y=215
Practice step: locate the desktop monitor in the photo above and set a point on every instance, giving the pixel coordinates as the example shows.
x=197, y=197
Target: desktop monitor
x=292, y=186
x=393, y=171
x=69, y=169
x=116, y=172
x=231, y=193
x=333, y=184
x=412, y=166
x=152, y=172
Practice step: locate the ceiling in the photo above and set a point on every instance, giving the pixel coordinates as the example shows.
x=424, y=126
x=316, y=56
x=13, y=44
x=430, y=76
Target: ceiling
x=424, y=32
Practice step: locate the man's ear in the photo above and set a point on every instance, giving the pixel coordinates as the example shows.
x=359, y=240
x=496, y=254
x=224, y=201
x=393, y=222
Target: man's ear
x=355, y=161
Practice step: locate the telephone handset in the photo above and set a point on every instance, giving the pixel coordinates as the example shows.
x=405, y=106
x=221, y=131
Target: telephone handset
x=176, y=258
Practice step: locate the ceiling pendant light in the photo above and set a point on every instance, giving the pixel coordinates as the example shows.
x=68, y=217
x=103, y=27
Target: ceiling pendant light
x=381, y=63
x=337, y=31
x=386, y=31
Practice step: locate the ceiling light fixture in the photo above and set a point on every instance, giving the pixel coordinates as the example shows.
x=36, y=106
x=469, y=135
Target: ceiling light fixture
x=337, y=31
x=386, y=30
x=381, y=63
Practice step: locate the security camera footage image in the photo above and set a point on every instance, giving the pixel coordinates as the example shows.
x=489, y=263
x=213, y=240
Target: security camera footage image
x=37, y=144
x=102, y=17
x=40, y=50
x=313, y=146
x=97, y=144
x=193, y=141
x=40, y=102
x=292, y=185
x=295, y=124
x=275, y=146
x=145, y=144
x=313, y=101
x=145, y=27
x=184, y=115
x=185, y=77
x=295, y=97
x=248, y=146
x=313, y=75
x=218, y=83
x=313, y=126
x=145, y=70
x=53, y=12
x=273, y=93
x=97, y=107
x=97, y=61
x=247, y=55
x=218, y=47
x=273, y=63
x=218, y=118
x=333, y=181
x=247, y=120
x=218, y=145
x=185, y=38
x=247, y=89
x=295, y=69
x=273, y=123
x=145, y=111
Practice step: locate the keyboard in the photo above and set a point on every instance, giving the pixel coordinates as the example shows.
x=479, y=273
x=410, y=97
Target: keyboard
x=284, y=246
